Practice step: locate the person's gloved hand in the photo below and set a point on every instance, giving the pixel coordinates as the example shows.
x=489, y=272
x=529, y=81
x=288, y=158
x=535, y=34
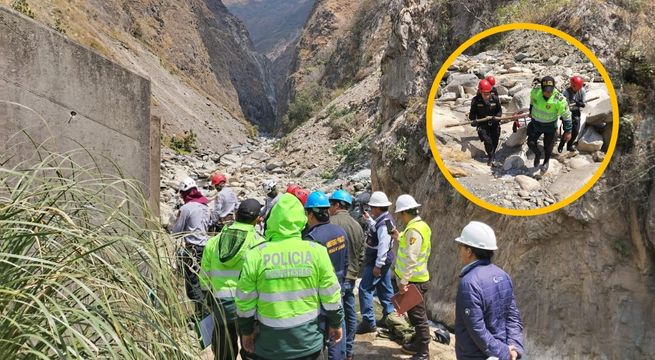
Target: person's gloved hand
x=474, y=123
x=579, y=104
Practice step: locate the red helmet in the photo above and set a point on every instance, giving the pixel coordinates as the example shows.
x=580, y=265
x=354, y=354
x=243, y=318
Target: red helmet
x=577, y=83
x=302, y=195
x=484, y=86
x=292, y=188
x=218, y=178
x=491, y=79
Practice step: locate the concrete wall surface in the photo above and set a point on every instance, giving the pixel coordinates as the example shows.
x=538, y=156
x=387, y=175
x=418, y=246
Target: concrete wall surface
x=45, y=77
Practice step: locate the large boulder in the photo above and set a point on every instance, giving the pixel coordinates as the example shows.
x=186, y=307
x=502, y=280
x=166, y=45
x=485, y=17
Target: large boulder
x=518, y=138
x=521, y=100
x=513, y=162
x=568, y=183
x=599, y=111
x=590, y=141
x=461, y=79
x=527, y=183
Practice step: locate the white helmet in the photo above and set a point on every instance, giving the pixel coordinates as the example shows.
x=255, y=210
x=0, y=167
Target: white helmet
x=478, y=235
x=268, y=186
x=187, y=184
x=405, y=202
x=379, y=199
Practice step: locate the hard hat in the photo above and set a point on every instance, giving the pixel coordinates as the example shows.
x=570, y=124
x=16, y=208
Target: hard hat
x=187, y=184
x=442, y=334
x=317, y=199
x=478, y=235
x=342, y=195
x=218, y=178
x=491, y=79
x=405, y=202
x=292, y=188
x=302, y=195
x=379, y=199
x=577, y=82
x=269, y=186
x=484, y=86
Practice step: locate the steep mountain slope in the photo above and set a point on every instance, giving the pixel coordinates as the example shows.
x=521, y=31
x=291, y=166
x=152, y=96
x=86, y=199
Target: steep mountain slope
x=273, y=25
x=583, y=275
x=196, y=86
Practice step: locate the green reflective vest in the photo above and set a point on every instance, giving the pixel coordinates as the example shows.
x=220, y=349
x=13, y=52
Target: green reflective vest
x=420, y=272
x=548, y=111
x=222, y=259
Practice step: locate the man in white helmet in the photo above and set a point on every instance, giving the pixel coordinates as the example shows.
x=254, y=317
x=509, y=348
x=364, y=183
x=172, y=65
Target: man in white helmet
x=378, y=258
x=411, y=267
x=487, y=320
x=192, y=218
x=272, y=196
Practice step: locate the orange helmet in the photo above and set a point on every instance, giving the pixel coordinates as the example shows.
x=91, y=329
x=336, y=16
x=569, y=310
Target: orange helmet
x=577, y=83
x=484, y=86
x=491, y=79
x=218, y=178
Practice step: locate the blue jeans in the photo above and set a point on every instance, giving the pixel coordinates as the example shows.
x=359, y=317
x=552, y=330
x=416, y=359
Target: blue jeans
x=382, y=285
x=350, y=315
x=335, y=351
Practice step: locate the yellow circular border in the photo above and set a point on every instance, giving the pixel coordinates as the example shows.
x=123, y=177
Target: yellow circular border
x=471, y=196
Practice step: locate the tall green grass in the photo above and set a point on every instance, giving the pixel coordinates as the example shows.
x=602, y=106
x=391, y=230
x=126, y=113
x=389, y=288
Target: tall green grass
x=81, y=274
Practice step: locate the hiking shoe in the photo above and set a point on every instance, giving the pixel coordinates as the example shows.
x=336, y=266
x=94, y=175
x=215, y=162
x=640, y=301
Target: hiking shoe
x=420, y=357
x=409, y=348
x=536, y=161
x=544, y=167
x=560, y=147
x=364, y=328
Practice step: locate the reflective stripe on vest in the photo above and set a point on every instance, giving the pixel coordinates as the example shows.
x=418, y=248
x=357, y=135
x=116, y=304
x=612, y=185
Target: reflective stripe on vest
x=420, y=272
x=288, y=322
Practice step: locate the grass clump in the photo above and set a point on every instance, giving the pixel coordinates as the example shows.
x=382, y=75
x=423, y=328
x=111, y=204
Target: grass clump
x=304, y=105
x=81, y=275
x=22, y=7
x=185, y=144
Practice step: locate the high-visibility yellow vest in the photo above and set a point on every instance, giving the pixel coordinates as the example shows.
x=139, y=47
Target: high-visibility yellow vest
x=420, y=272
x=548, y=111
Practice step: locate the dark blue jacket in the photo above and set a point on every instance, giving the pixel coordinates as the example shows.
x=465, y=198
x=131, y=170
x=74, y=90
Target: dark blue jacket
x=487, y=320
x=335, y=239
x=372, y=241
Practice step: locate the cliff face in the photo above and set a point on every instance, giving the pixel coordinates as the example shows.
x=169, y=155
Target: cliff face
x=583, y=275
x=206, y=75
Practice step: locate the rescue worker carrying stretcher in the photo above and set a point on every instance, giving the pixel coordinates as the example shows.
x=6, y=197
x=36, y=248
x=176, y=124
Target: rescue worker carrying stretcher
x=485, y=104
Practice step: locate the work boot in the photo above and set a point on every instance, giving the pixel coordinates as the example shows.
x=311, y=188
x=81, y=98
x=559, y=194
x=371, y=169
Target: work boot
x=560, y=147
x=364, y=328
x=420, y=357
x=537, y=158
x=409, y=348
x=544, y=167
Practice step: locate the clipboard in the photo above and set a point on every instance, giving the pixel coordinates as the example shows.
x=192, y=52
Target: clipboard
x=405, y=302
x=205, y=330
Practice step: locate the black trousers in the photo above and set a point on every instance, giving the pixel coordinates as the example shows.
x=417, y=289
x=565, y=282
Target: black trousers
x=191, y=259
x=418, y=318
x=225, y=342
x=575, y=119
x=489, y=134
x=535, y=130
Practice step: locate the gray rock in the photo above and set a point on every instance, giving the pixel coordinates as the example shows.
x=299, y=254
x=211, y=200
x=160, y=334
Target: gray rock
x=362, y=175
x=599, y=112
x=521, y=100
x=504, y=99
x=530, y=60
x=598, y=156
x=578, y=162
x=516, y=88
x=461, y=79
x=278, y=170
x=513, y=162
x=518, y=69
x=570, y=182
x=502, y=90
x=527, y=183
x=518, y=138
x=449, y=96
x=591, y=141
x=521, y=56
x=460, y=92
x=524, y=194
x=552, y=60
x=274, y=164
x=230, y=159
x=260, y=155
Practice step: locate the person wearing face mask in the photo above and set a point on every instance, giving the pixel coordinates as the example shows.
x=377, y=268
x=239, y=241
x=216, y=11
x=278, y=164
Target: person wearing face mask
x=483, y=105
x=547, y=105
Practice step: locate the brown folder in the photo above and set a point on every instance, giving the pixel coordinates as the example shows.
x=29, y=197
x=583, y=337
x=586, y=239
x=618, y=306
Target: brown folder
x=406, y=301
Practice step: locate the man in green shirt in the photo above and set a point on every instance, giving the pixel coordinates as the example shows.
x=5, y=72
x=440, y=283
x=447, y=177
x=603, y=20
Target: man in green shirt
x=547, y=105
x=285, y=282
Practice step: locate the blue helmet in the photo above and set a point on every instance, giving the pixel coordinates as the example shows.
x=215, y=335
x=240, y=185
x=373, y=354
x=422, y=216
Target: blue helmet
x=317, y=199
x=342, y=195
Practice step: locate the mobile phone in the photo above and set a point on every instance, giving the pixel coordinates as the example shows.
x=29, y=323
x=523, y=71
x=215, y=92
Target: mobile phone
x=389, y=225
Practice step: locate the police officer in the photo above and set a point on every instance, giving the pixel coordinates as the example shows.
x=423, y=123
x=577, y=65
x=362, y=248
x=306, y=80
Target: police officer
x=546, y=106
x=221, y=265
x=411, y=267
x=485, y=104
x=487, y=320
x=284, y=283
x=378, y=258
x=335, y=239
x=576, y=96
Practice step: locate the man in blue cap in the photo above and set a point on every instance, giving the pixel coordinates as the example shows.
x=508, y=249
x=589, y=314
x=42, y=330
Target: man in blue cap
x=335, y=239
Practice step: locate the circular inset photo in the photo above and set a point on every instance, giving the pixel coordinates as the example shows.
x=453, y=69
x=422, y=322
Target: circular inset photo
x=522, y=119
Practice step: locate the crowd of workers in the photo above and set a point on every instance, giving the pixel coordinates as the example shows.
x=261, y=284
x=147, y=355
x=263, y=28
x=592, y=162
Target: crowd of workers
x=281, y=277
x=547, y=106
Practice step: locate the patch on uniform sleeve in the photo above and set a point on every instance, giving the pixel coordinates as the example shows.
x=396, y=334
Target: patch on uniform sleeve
x=412, y=240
